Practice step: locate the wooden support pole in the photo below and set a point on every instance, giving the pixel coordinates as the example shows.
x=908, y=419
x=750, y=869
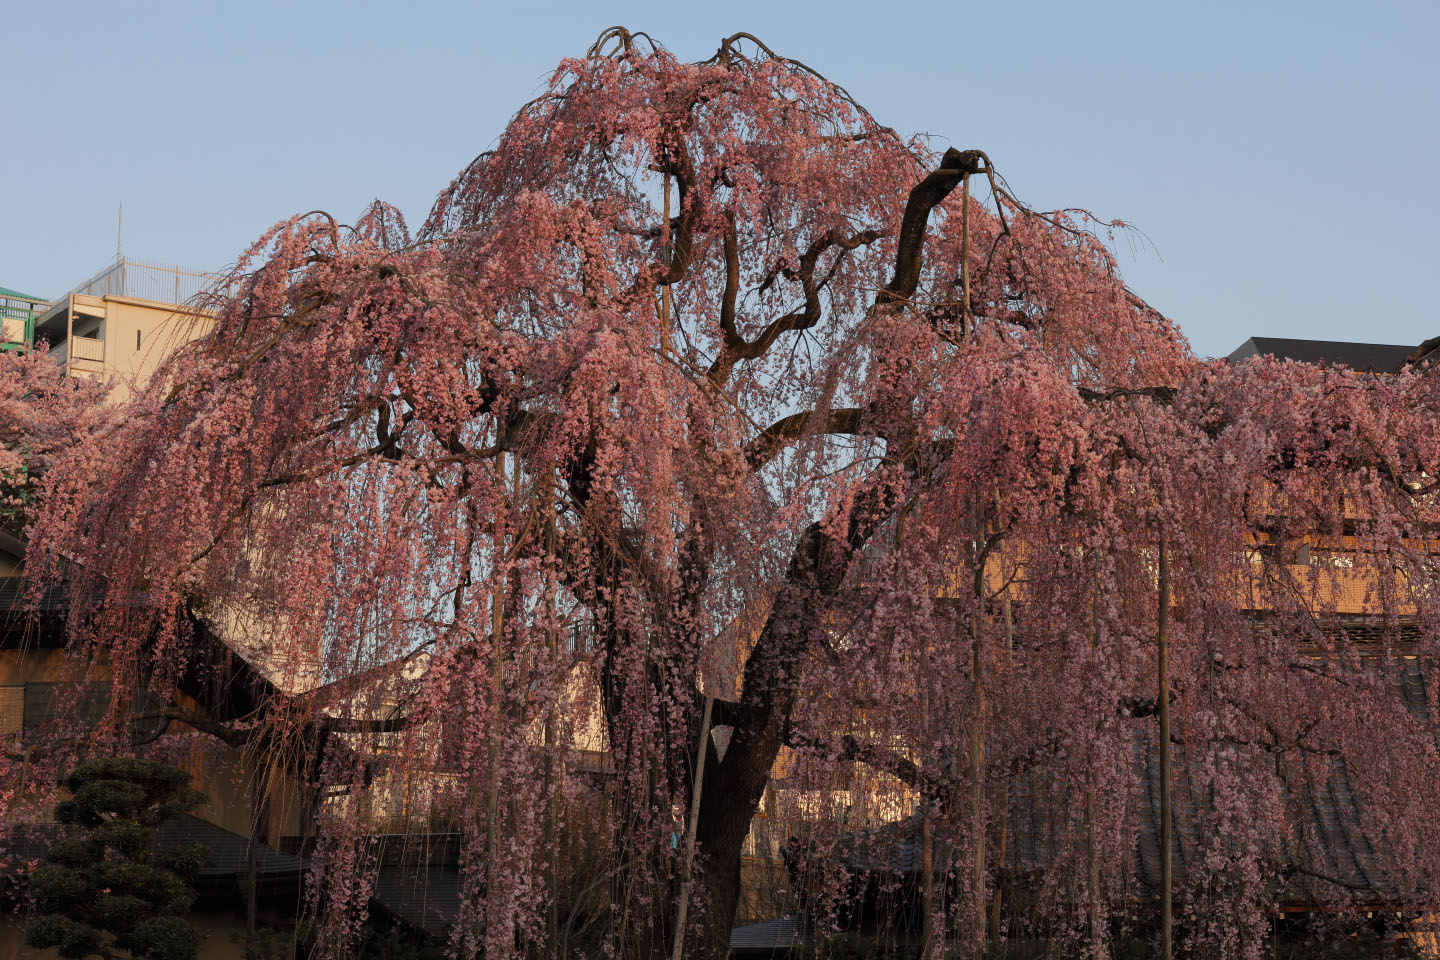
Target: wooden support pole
x=1162, y=700
x=678, y=949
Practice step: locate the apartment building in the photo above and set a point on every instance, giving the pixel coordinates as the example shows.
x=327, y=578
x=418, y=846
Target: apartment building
x=121, y=322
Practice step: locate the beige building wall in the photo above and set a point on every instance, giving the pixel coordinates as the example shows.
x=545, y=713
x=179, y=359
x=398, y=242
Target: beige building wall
x=120, y=339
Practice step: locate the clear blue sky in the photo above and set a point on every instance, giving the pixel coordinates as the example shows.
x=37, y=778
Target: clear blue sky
x=1281, y=157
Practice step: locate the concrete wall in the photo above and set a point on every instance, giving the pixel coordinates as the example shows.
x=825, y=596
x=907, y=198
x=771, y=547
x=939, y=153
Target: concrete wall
x=138, y=335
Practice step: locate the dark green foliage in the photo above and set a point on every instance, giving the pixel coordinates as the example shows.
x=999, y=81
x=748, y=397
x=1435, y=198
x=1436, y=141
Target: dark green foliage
x=72, y=939
x=95, y=801
x=119, y=911
x=376, y=943
x=106, y=890
x=165, y=938
x=74, y=852
x=852, y=946
x=59, y=886
x=268, y=943
x=168, y=892
x=128, y=788
x=185, y=860
x=400, y=943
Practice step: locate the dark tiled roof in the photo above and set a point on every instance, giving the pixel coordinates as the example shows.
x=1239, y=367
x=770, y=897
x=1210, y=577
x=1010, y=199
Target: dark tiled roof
x=229, y=852
x=19, y=612
x=13, y=599
x=425, y=897
x=1328, y=837
x=769, y=937
x=1374, y=357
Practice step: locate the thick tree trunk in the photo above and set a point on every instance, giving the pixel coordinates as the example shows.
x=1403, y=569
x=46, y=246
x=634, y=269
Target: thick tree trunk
x=717, y=882
x=793, y=628
x=759, y=724
x=734, y=788
x=733, y=793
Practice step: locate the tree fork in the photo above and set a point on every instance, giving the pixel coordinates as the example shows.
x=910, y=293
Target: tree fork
x=816, y=569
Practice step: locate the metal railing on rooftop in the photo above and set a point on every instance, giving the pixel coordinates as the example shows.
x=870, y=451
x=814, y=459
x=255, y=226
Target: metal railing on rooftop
x=145, y=280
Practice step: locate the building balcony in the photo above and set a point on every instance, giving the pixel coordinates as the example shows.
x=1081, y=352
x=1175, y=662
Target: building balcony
x=80, y=354
x=87, y=349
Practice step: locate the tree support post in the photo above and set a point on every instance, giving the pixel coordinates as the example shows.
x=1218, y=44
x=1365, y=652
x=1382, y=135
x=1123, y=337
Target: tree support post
x=678, y=950
x=1162, y=700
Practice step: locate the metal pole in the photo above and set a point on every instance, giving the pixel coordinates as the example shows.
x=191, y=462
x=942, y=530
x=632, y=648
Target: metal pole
x=1162, y=633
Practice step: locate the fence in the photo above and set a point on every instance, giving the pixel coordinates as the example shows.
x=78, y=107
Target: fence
x=143, y=280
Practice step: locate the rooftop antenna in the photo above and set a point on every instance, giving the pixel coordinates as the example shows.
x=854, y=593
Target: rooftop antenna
x=119, y=232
